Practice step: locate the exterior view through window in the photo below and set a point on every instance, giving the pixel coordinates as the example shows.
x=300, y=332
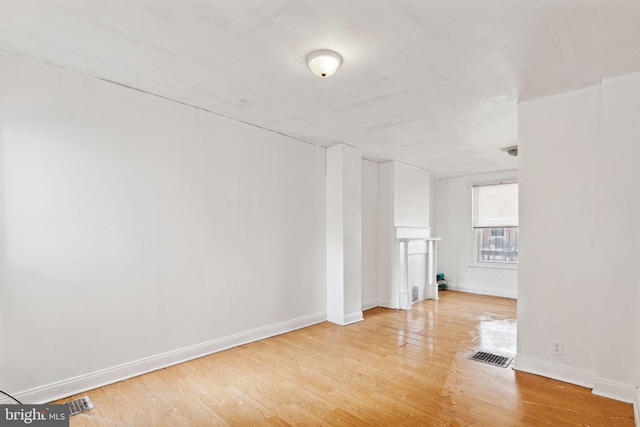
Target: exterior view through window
x=495, y=223
x=498, y=244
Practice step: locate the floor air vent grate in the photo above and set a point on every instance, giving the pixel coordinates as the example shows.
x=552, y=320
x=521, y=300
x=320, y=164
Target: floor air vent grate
x=492, y=359
x=80, y=405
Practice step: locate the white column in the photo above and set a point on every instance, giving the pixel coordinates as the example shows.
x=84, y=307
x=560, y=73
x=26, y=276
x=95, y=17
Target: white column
x=405, y=291
x=432, y=262
x=344, y=235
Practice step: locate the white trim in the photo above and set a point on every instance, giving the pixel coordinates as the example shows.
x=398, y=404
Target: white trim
x=557, y=372
x=614, y=390
x=367, y=305
x=636, y=412
x=68, y=387
x=420, y=300
x=413, y=232
x=483, y=291
x=508, y=177
x=386, y=304
x=494, y=265
x=353, y=318
x=347, y=319
x=605, y=388
x=474, y=254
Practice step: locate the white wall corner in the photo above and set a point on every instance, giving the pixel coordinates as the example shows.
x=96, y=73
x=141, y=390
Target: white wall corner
x=343, y=231
x=614, y=390
x=353, y=318
x=369, y=304
x=336, y=318
x=554, y=371
x=387, y=303
x=68, y=387
x=347, y=319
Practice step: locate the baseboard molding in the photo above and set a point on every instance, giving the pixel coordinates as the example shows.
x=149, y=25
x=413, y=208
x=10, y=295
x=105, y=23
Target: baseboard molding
x=60, y=389
x=480, y=291
x=555, y=371
x=367, y=305
x=614, y=390
x=387, y=304
x=636, y=411
x=353, y=318
x=347, y=319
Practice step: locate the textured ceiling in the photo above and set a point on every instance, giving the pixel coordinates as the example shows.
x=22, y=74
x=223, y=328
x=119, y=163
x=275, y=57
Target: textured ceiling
x=430, y=83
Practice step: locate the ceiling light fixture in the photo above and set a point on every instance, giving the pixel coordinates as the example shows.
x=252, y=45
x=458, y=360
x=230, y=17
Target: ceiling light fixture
x=324, y=63
x=512, y=151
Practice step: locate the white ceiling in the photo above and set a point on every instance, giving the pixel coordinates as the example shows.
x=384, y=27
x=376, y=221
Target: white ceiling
x=433, y=83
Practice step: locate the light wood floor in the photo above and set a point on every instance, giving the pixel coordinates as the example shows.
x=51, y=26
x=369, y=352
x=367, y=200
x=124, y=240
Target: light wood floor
x=396, y=368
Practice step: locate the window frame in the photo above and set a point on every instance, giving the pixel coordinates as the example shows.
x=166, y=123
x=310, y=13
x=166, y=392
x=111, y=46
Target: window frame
x=475, y=233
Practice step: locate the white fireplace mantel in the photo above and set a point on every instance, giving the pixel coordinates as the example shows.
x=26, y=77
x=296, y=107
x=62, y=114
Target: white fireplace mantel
x=404, y=235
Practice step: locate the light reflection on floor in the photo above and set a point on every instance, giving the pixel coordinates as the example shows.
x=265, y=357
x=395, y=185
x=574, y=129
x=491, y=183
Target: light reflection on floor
x=496, y=334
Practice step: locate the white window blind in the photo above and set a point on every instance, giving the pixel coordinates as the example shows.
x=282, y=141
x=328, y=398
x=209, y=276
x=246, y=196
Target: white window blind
x=495, y=205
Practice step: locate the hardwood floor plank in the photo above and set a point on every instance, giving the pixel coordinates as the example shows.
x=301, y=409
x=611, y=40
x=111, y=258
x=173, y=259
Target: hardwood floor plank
x=401, y=368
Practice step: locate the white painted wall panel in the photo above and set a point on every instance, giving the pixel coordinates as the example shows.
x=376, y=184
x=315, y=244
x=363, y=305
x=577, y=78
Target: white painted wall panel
x=404, y=201
x=352, y=185
x=411, y=197
x=579, y=205
x=557, y=208
x=386, y=235
x=344, y=234
x=136, y=226
x=617, y=232
x=335, y=229
x=369, y=234
x=453, y=222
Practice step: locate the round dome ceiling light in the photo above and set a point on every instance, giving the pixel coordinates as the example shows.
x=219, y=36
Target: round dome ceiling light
x=324, y=63
x=512, y=151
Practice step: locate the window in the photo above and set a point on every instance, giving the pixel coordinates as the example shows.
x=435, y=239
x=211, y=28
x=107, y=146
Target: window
x=498, y=244
x=495, y=223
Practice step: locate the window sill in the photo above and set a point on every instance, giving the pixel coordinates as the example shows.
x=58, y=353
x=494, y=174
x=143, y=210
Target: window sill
x=494, y=265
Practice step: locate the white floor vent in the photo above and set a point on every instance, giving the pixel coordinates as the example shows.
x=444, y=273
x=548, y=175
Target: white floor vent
x=80, y=405
x=492, y=359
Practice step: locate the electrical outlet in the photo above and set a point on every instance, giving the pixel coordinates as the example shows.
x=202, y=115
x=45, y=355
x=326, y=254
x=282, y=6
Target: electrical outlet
x=557, y=347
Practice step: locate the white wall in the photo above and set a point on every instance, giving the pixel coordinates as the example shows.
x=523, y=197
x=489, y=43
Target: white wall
x=453, y=223
x=618, y=235
x=137, y=228
x=579, y=204
x=344, y=234
x=387, y=295
x=369, y=234
x=411, y=196
x=403, y=201
x=432, y=206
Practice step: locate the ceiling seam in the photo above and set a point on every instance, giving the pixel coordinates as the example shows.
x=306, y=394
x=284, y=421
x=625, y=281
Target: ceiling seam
x=86, y=74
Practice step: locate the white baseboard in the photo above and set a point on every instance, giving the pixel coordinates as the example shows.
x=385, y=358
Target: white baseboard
x=555, y=371
x=60, y=389
x=353, y=318
x=636, y=411
x=387, y=304
x=599, y=386
x=366, y=305
x=347, y=319
x=614, y=390
x=482, y=291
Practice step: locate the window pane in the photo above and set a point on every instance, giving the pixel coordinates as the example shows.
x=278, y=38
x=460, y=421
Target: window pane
x=498, y=245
